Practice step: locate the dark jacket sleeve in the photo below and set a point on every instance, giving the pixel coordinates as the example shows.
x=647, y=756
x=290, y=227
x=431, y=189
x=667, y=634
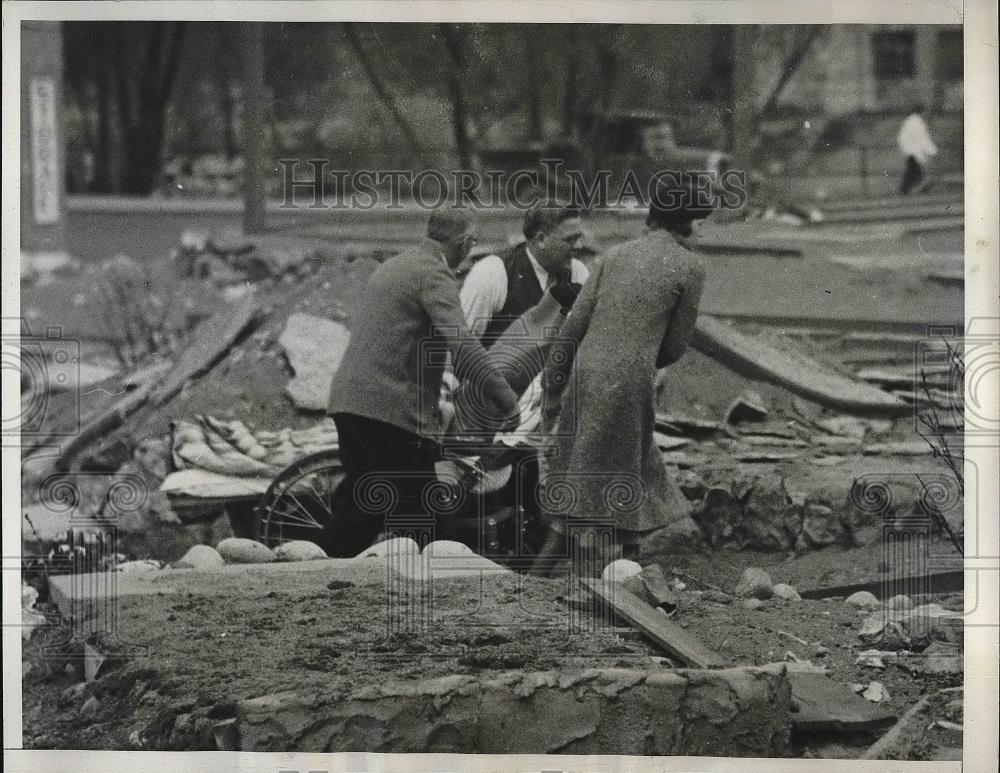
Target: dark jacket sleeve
x=439, y=296
x=682, y=321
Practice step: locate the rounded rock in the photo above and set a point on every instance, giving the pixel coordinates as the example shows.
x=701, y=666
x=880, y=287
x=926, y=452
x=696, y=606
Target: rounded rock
x=238, y=550
x=784, y=591
x=200, y=557
x=900, y=603
x=620, y=570
x=753, y=604
x=299, y=550
x=394, y=546
x=862, y=599
x=90, y=706
x=447, y=547
x=755, y=583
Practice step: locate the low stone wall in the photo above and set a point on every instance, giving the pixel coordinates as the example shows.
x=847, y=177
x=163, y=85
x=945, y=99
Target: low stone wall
x=730, y=712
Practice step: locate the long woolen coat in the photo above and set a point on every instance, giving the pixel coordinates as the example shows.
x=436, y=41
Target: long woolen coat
x=636, y=314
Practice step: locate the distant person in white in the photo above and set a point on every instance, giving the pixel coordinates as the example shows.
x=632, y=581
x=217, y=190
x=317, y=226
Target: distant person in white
x=917, y=147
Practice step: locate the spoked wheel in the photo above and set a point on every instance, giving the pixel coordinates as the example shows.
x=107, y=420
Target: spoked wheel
x=300, y=502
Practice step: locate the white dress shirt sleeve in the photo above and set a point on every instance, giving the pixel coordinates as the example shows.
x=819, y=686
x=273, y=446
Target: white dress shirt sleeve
x=483, y=293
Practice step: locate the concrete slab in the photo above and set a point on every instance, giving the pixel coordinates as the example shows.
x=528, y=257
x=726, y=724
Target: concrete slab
x=78, y=595
x=730, y=712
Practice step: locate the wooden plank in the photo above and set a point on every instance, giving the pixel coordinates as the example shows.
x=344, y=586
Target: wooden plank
x=932, y=582
x=673, y=639
x=210, y=341
x=820, y=705
x=799, y=374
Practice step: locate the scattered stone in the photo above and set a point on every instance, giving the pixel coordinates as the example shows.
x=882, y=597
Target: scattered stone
x=822, y=652
x=717, y=596
x=912, y=629
x=747, y=407
x=821, y=526
x=875, y=692
x=394, y=546
x=299, y=550
x=238, y=550
x=753, y=604
x=899, y=603
x=692, y=485
x=314, y=347
x=652, y=586
x=620, y=570
x=862, y=599
x=787, y=592
x=755, y=583
x=90, y=706
x=230, y=241
x=446, y=547
x=74, y=691
x=200, y=557
x=718, y=515
x=194, y=241
x=135, y=739
x=680, y=536
x=135, y=567
x=938, y=664
x=339, y=585
x=870, y=659
x=846, y=426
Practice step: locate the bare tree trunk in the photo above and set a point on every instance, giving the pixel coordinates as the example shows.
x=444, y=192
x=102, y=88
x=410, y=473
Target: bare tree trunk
x=453, y=45
x=383, y=93
x=790, y=66
x=143, y=114
x=254, y=120
x=103, y=147
x=534, y=86
x=744, y=113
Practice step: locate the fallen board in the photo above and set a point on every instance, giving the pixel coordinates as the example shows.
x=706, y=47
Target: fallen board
x=797, y=373
x=670, y=637
x=820, y=705
x=210, y=341
x=933, y=582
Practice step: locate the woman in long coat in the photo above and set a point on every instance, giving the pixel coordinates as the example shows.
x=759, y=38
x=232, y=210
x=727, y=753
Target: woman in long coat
x=635, y=314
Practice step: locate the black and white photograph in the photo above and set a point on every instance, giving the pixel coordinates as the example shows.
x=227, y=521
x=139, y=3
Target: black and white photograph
x=439, y=379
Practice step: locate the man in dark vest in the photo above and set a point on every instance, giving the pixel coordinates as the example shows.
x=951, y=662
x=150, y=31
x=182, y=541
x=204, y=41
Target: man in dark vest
x=384, y=395
x=500, y=288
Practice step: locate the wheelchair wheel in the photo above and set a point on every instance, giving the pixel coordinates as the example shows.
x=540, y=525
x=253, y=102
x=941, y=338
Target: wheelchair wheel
x=300, y=504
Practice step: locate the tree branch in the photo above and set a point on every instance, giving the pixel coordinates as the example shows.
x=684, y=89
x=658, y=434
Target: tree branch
x=383, y=94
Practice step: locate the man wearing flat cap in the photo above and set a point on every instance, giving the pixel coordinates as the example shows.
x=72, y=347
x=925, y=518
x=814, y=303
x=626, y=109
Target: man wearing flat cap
x=384, y=395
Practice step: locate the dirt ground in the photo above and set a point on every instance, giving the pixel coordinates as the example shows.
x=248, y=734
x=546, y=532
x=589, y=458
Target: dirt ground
x=189, y=655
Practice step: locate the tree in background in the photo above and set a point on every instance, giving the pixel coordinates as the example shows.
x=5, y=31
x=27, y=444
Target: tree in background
x=130, y=69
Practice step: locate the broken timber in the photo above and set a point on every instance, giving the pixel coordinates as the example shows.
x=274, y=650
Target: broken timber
x=669, y=636
x=917, y=584
x=210, y=341
x=819, y=704
x=797, y=373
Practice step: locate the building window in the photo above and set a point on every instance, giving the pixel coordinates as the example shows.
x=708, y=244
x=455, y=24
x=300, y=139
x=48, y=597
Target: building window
x=893, y=55
x=949, y=55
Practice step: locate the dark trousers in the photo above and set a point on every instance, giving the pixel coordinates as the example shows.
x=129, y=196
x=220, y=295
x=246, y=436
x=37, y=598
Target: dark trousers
x=913, y=175
x=386, y=471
